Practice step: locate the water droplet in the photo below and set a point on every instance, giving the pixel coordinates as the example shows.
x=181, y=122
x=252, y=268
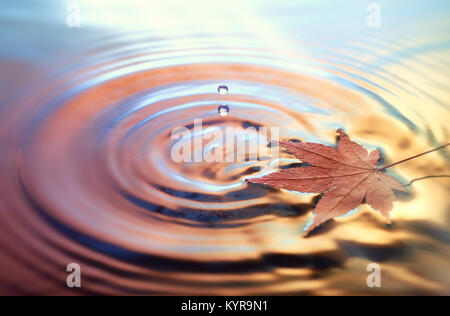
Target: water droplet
x=224, y=110
x=222, y=90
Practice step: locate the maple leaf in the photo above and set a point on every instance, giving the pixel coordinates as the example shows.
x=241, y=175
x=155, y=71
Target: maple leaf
x=347, y=175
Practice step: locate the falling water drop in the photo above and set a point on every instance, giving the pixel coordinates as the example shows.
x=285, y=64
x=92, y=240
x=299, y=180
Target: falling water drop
x=222, y=90
x=224, y=110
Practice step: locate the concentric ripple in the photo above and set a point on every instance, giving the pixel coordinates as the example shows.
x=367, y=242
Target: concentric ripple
x=88, y=177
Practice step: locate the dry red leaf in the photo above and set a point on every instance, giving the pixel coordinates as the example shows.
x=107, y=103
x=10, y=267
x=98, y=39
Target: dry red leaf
x=346, y=175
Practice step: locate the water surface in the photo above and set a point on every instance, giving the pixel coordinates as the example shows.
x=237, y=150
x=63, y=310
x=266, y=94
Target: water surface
x=86, y=116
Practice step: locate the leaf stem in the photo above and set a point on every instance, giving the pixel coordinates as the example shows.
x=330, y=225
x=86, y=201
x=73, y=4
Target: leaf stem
x=427, y=177
x=404, y=160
